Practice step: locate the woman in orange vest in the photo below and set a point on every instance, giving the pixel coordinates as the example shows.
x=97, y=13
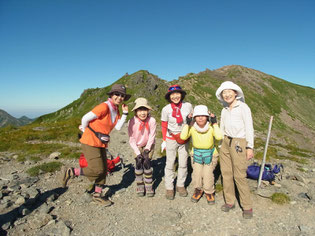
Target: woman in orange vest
x=96, y=126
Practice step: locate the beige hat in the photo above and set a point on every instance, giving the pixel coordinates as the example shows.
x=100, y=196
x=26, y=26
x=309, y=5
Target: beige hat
x=141, y=102
x=230, y=85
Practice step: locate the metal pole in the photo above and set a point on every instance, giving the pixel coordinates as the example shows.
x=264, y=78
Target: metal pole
x=265, y=153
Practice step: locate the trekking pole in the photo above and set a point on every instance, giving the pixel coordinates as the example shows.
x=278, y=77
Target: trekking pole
x=265, y=153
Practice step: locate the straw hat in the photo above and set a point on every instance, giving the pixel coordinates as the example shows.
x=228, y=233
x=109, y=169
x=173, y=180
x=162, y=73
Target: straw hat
x=230, y=85
x=141, y=102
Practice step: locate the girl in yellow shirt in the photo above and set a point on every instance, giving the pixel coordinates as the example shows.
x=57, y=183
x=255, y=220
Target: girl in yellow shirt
x=205, y=156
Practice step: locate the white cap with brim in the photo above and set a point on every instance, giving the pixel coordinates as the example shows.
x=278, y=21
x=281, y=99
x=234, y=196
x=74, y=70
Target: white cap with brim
x=201, y=110
x=230, y=85
x=141, y=102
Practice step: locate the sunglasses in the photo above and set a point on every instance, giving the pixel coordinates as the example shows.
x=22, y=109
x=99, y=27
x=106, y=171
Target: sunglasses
x=120, y=95
x=174, y=88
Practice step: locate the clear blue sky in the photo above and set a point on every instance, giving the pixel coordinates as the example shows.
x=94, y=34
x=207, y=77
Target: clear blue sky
x=51, y=50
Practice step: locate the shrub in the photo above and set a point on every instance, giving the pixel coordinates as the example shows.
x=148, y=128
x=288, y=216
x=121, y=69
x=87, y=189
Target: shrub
x=280, y=198
x=46, y=167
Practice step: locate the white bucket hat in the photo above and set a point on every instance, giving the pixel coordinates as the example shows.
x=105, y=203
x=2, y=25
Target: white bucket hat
x=230, y=85
x=141, y=102
x=201, y=110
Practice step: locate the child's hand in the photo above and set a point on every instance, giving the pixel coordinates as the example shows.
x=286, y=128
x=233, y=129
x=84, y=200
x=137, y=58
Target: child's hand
x=213, y=119
x=189, y=119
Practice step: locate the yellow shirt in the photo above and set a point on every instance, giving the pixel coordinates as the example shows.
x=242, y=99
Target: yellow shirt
x=202, y=140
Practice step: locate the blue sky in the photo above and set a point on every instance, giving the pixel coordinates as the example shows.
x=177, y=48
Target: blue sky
x=50, y=51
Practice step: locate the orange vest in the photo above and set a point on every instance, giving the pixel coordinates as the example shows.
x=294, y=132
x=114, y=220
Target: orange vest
x=102, y=124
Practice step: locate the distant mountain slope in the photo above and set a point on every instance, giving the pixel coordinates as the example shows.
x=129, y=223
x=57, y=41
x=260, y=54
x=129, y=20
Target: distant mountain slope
x=293, y=106
x=7, y=119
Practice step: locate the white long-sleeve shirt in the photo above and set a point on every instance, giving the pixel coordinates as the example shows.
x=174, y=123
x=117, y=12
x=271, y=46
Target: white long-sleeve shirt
x=238, y=123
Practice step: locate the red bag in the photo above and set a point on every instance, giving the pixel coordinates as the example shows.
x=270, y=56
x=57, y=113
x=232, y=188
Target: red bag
x=110, y=163
x=82, y=161
x=178, y=139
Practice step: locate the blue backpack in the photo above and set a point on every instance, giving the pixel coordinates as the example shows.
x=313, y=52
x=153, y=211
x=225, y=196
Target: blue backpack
x=269, y=173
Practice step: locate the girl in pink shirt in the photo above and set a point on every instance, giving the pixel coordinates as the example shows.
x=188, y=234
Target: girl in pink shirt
x=141, y=131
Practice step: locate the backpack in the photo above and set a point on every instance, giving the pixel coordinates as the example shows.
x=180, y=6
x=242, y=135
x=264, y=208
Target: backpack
x=269, y=173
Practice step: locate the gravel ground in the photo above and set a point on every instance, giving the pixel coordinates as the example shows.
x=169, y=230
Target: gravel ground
x=70, y=211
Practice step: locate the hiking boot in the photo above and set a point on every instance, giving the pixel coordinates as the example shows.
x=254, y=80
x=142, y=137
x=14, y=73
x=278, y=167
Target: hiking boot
x=210, y=198
x=102, y=200
x=197, y=195
x=149, y=192
x=227, y=207
x=182, y=191
x=69, y=173
x=248, y=214
x=140, y=190
x=169, y=194
x=105, y=192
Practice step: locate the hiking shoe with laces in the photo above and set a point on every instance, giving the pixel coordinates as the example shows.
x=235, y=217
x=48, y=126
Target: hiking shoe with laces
x=197, y=195
x=182, y=191
x=69, y=173
x=102, y=200
x=227, y=207
x=248, y=214
x=169, y=194
x=210, y=198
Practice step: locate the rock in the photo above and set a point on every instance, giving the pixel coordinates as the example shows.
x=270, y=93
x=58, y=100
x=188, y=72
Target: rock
x=44, y=208
x=32, y=193
x=60, y=228
x=23, y=210
x=303, y=228
x=39, y=220
x=20, y=201
x=6, y=226
x=54, y=155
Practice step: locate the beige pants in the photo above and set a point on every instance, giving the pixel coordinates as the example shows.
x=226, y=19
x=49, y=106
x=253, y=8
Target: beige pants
x=171, y=148
x=203, y=177
x=233, y=168
x=97, y=164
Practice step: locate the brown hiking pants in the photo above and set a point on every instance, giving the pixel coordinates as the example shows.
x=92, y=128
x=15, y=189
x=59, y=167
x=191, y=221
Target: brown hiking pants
x=97, y=164
x=202, y=175
x=233, y=166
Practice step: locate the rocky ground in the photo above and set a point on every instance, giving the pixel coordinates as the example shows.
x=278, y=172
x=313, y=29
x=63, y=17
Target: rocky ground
x=39, y=206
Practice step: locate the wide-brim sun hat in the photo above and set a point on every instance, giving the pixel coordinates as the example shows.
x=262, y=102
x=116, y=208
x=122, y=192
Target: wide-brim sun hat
x=141, y=102
x=174, y=88
x=230, y=85
x=201, y=110
x=119, y=88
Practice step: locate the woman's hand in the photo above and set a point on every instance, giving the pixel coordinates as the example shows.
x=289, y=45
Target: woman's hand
x=249, y=153
x=124, y=108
